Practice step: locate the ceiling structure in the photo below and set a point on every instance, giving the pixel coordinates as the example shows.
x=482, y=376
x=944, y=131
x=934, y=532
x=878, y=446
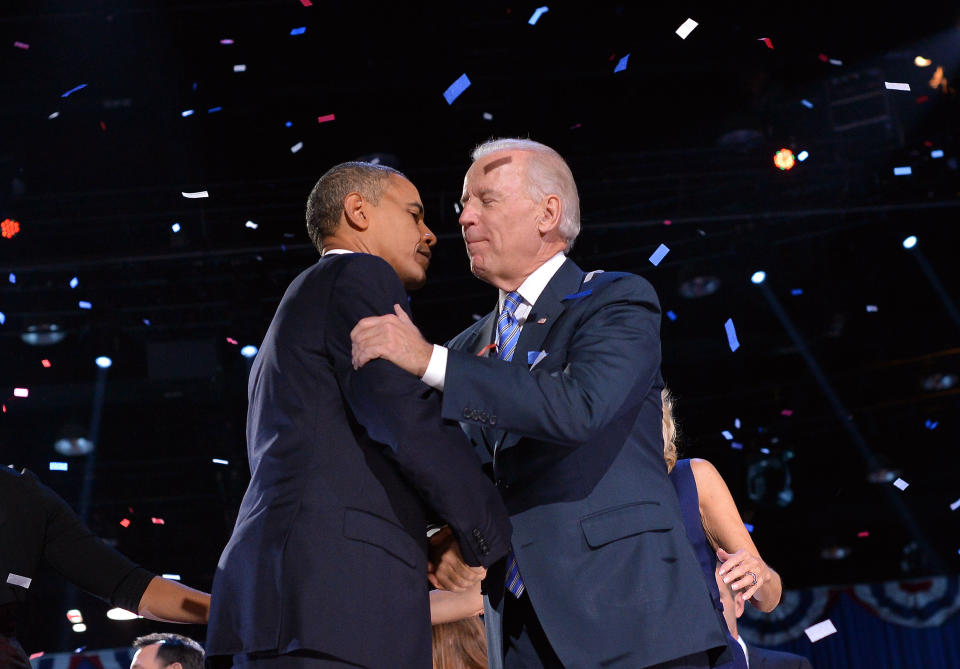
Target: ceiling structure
x=849, y=352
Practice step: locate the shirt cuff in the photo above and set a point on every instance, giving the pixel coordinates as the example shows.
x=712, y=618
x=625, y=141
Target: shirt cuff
x=436, y=372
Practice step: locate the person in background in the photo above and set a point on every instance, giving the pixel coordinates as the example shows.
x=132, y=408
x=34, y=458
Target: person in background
x=460, y=644
x=715, y=530
x=166, y=651
x=37, y=525
x=756, y=657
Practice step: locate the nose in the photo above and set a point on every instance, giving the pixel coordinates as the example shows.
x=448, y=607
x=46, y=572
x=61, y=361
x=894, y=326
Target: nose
x=467, y=216
x=429, y=238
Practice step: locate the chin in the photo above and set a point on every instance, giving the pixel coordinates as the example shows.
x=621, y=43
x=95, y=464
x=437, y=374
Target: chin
x=415, y=282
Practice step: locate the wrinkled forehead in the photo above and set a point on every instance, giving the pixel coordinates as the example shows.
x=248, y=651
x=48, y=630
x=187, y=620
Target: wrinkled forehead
x=499, y=167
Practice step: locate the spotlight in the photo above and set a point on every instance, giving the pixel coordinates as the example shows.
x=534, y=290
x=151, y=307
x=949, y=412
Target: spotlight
x=920, y=61
x=248, y=351
x=103, y=362
x=43, y=335
x=121, y=614
x=759, y=277
x=175, y=228
x=910, y=242
x=73, y=440
x=784, y=159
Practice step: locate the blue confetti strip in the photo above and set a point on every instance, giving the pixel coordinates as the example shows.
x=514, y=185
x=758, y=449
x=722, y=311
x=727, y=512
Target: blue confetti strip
x=12, y=278
x=214, y=109
x=749, y=527
x=74, y=282
x=672, y=316
x=73, y=90
x=3, y=318
x=736, y=445
x=83, y=304
x=538, y=12
x=186, y=112
x=298, y=31
x=146, y=321
x=456, y=88
x=727, y=435
x=931, y=424
x=574, y=296
x=936, y=153
x=731, y=335
x=807, y=104
x=622, y=64
x=736, y=423
x=59, y=467
x=288, y=124
x=902, y=171
x=797, y=291
x=765, y=451
x=659, y=254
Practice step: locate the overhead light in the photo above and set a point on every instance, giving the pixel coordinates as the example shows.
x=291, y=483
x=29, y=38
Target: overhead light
x=759, y=277
x=699, y=286
x=44, y=334
x=784, y=159
x=940, y=381
x=73, y=440
x=883, y=475
x=121, y=614
x=835, y=553
x=910, y=242
x=920, y=61
x=103, y=362
x=248, y=351
x=79, y=627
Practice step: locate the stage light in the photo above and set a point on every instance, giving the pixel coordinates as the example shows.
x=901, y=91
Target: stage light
x=920, y=61
x=910, y=242
x=121, y=614
x=248, y=351
x=175, y=227
x=784, y=159
x=79, y=627
x=103, y=362
x=73, y=440
x=43, y=335
x=9, y=228
x=758, y=277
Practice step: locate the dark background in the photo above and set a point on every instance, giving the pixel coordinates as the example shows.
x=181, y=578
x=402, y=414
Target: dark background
x=685, y=134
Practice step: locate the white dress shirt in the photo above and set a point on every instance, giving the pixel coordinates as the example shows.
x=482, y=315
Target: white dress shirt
x=743, y=644
x=529, y=291
x=331, y=252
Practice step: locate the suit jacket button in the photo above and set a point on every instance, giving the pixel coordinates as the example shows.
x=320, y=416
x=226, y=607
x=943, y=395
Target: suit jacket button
x=493, y=420
x=476, y=534
x=483, y=417
x=467, y=414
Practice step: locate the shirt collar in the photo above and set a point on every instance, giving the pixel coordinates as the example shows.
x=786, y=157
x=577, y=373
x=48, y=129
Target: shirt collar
x=330, y=252
x=533, y=285
x=743, y=644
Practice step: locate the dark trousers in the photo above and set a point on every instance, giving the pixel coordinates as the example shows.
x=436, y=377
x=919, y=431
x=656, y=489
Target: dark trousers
x=525, y=645
x=302, y=659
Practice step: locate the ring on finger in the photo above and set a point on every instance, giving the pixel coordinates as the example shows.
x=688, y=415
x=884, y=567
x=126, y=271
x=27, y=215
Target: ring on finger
x=755, y=579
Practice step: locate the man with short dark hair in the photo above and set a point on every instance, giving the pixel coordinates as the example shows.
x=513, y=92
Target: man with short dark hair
x=164, y=650
x=327, y=564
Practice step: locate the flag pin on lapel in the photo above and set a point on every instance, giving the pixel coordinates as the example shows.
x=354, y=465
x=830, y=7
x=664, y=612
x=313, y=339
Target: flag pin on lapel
x=542, y=321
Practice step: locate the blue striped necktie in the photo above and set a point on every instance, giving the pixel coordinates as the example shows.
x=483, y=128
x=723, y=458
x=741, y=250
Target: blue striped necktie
x=508, y=332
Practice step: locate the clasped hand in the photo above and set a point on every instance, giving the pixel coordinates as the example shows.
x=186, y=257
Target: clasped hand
x=738, y=571
x=447, y=569
x=393, y=337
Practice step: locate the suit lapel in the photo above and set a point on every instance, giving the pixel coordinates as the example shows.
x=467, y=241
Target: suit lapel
x=543, y=316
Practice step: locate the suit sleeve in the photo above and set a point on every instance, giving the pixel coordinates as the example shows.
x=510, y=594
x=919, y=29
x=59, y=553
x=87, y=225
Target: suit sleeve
x=401, y=412
x=614, y=352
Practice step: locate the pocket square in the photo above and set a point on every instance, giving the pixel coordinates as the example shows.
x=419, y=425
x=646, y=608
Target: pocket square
x=534, y=357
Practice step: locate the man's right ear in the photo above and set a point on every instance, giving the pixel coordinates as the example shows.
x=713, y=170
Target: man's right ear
x=355, y=211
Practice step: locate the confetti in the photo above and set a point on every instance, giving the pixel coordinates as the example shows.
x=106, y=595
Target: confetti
x=487, y=116
x=902, y=171
x=288, y=124
x=298, y=31
x=74, y=90
x=736, y=423
x=749, y=527
x=231, y=340
x=296, y=147
x=731, y=335
x=240, y=67
x=900, y=484
x=736, y=445
x=218, y=461
x=931, y=424
x=834, y=61
x=667, y=221
x=822, y=57
x=807, y=104
x=922, y=99
x=306, y=3
x=956, y=505
x=766, y=40
x=787, y=412
x=172, y=577
x=686, y=28
x=324, y=119
x=157, y=521
x=872, y=308
x=125, y=522
x=226, y=41
x=671, y=315
x=195, y=195
x=21, y=45
x=36, y=656
x=186, y=112
x=17, y=579
x=251, y=225
x=727, y=435
x=936, y=153
x=83, y=304
x=175, y=228
x=213, y=110
x=456, y=88
x=456, y=208
x=534, y=358
x=820, y=630
x=863, y=534
x=892, y=86
x=46, y=363
x=659, y=254
x=53, y=115
x=21, y=392
x=12, y=278
x=74, y=282
x=537, y=13
x=59, y=467
x=622, y=64
x=797, y=291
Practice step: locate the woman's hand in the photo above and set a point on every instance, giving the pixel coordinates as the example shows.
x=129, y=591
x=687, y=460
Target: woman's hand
x=744, y=572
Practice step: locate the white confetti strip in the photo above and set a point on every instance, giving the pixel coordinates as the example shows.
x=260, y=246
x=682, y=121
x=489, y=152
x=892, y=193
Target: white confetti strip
x=900, y=484
x=296, y=147
x=16, y=579
x=820, y=630
x=686, y=28
x=892, y=86
x=196, y=195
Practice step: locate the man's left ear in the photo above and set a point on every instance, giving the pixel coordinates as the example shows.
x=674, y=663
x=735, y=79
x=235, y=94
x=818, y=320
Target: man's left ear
x=549, y=214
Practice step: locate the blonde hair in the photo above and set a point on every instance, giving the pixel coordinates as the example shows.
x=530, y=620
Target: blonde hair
x=461, y=644
x=669, y=429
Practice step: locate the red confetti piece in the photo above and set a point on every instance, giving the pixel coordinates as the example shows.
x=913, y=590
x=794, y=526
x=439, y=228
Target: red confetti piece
x=324, y=119
x=786, y=412
x=125, y=522
x=103, y=126
x=306, y=3
x=231, y=340
x=922, y=99
x=575, y=126
x=21, y=45
x=36, y=655
x=8, y=228
x=667, y=222
x=823, y=57
x=46, y=363
x=157, y=521
x=766, y=40
x=927, y=143
x=4, y=408
x=863, y=534
x=612, y=56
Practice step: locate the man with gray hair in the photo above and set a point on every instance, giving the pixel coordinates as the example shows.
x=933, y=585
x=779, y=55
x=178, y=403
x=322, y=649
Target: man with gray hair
x=558, y=388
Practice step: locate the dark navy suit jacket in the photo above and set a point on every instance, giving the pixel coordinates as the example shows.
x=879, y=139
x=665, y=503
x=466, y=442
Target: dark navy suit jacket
x=576, y=448
x=764, y=658
x=329, y=551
